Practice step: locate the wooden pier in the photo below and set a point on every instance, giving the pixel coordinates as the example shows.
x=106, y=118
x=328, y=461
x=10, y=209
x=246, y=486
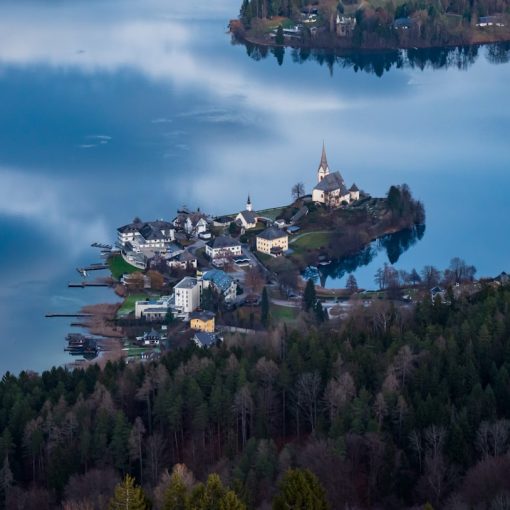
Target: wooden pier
x=87, y=284
x=77, y=315
x=93, y=267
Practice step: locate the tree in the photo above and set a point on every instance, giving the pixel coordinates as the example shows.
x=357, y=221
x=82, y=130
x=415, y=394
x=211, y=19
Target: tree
x=309, y=297
x=300, y=489
x=264, y=308
x=298, y=190
x=176, y=494
x=279, y=39
x=351, y=284
x=430, y=277
x=231, y=501
x=128, y=496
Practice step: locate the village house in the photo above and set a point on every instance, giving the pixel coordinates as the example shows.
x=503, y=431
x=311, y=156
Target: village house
x=153, y=310
x=140, y=235
x=150, y=338
x=331, y=189
x=223, y=221
x=187, y=294
x=192, y=223
x=247, y=219
x=272, y=241
x=203, y=339
x=203, y=321
x=222, y=283
x=184, y=261
x=223, y=247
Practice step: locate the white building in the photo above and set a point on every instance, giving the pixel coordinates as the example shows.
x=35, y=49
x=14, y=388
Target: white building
x=153, y=235
x=153, y=309
x=331, y=189
x=187, y=294
x=247, y=218
x=223, y=246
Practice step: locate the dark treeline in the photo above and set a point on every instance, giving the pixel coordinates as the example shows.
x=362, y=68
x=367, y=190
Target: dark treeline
x=394, y=407
x=460, y=57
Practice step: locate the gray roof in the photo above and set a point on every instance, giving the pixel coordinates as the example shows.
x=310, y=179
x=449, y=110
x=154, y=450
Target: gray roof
x=354, y=187
x=148, y=229
x=186, y=257
x=204, y=315
x=186, y=283
x=205, y=339
x=223, y=242
x=249, y=216
x=332, y=182
x=272, y=233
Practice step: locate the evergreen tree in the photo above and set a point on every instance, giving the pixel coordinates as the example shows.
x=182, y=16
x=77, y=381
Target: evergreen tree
x=279, y=39
x=128, y=496
x=264, y=308
x=231, y=501
x=300, y=490
x=351, y=284
x=176, y=494
x=309, y=297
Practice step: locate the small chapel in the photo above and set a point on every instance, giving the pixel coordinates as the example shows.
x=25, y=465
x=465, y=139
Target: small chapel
x=330, y=188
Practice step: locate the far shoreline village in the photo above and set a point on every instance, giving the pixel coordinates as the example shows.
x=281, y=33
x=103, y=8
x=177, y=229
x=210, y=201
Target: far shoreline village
x=346, y=25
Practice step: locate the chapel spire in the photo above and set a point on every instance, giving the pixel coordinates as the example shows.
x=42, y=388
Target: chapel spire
x=323, y=167
x=248, y=204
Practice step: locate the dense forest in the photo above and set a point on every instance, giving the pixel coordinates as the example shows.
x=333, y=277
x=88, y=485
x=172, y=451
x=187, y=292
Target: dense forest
x=394, y=407
x=390, y=24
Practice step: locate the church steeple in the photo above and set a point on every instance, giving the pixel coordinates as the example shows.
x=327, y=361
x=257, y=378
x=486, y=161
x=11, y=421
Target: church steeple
x=248, y=204
x=323, y=167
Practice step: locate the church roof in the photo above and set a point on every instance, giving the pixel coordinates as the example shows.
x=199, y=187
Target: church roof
x=249, y=217
x=324, y=159
x=332, y=182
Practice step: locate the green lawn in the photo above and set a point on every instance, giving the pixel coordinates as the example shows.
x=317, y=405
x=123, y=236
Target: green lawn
x=129, y=304
x=283, y=313
x=272, y=213
x=311, y=241
x=118, y=266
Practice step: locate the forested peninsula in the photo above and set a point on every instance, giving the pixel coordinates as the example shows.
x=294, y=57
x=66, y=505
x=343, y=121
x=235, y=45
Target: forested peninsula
x=393, y=407
x=372, y=24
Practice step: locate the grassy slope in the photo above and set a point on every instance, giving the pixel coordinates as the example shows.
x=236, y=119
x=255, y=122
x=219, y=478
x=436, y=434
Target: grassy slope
x=118, y=266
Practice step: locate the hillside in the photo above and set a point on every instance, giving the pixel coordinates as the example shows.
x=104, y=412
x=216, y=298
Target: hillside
x=391, y=408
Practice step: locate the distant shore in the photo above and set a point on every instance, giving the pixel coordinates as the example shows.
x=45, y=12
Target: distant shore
x=329, y=42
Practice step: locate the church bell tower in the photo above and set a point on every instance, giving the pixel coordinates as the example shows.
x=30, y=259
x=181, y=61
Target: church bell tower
x=323, y=167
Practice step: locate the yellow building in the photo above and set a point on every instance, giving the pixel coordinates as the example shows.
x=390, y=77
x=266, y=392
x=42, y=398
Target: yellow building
x=273, y=241
x=203, y=321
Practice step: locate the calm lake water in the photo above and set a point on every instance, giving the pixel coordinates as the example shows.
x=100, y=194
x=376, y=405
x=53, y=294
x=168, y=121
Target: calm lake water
x=110, y=110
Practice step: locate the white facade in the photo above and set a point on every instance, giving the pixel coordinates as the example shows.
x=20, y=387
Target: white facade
x=154, y=309
x=195, y=228
x=222, y=247
x=187, y=294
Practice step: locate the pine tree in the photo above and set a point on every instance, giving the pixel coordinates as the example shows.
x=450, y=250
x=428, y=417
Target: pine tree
x=279, y=39
x=309, y=297
x=231, y=501
x=176, y=494
x=264, y=309
x=351, y=284
x=128, y=496
x=300, y=490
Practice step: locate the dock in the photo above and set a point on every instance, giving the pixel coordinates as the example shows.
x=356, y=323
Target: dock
x=87, y=284
x=93, y=267
x=102, y=246
x=77, y=315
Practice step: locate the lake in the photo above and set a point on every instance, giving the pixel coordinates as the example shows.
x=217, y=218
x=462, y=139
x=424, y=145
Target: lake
x=111, y=110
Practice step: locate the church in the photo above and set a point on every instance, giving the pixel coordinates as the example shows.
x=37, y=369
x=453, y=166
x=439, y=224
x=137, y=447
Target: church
x=330, y=188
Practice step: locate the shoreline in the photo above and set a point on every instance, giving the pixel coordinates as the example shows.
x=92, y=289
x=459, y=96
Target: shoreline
x=244, y=38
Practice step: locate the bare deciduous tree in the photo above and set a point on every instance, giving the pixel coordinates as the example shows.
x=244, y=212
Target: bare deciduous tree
x=298, y=190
